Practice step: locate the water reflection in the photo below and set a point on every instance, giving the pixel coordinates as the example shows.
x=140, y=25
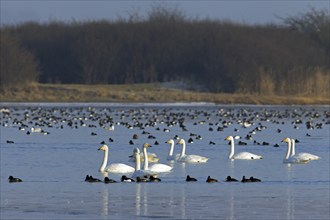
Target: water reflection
x=105, y=202
x=141, y=199
x=290, y=199
x=105, y=198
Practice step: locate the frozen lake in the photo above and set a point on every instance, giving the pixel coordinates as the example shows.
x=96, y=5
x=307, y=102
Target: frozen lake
x=53, y=166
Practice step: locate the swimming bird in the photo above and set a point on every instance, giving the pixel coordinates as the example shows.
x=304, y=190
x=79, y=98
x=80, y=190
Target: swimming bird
x=190, y=179
x=91, y=179
x=211, y=180
x=156, y=168
x=230, y=179
x=140, y=179
x=254, y=179
x=244, y=180
x=170, y=155
x=190, y=158
x=152, y=157
x=12, y=179
x=293, y=159
x=138, y=171
x=126, y=179
x=115, y=167
x=107, y=180
x=241, y=155
x=307, y=156
x=154, y=179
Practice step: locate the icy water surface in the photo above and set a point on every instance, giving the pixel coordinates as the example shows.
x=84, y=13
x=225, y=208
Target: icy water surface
x=53, y=165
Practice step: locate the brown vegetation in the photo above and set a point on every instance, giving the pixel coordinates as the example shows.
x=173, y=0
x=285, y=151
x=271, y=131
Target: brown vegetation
x=221, y=57
x=141, y=93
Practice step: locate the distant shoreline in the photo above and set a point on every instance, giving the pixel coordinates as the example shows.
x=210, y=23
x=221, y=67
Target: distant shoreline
x=142, y=93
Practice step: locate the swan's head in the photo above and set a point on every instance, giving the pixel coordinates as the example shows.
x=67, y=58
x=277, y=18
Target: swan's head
x=171, y=141
x=181, y=141
x=286, y=140
x=136, y=151
x=146, y=145
x=229, y=138
x=103, y=147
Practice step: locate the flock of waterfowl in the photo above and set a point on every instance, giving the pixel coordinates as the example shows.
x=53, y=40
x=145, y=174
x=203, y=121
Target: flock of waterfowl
x=42, y=120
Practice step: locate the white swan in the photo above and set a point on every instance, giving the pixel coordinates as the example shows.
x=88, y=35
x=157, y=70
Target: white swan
x=302, y=156
x=138, y=172
x=241, y=155
x=115, y=167
x=158, y=167
x=190, y=158
x=293, y=159
x=152, y=157
x=170, y=155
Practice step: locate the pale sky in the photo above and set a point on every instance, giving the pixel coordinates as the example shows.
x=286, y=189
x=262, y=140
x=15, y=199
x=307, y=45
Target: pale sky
x=258, y=11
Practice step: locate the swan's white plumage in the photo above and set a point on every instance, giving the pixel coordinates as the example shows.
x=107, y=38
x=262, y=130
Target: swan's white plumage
x=241, y=155
x=152, y=157
x=302, y=156
x=138, y=172
x=115, y=167
x=190, y=158
x=170, y=155
x=294, y=158
x=157, y=168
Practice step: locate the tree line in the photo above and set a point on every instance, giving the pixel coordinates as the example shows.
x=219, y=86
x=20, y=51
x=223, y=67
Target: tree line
x=221, y=56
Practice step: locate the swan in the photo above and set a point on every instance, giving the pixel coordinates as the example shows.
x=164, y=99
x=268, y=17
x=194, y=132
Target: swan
x=158, y=167
x=170, y=155
x=115, y=167
x=293, y=159
x=303, y=156
x=241, y=155
x=138, y=172
x=190, y=158
x=152, y=157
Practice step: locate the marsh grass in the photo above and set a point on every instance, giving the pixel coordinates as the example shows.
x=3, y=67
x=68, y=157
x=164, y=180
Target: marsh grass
x=36, y=92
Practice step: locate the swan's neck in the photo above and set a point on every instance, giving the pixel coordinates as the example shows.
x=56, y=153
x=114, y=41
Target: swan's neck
x=293, y=152
x=232, y=148
x=137, y=161
x=146, y=162
x=183, y=149
x=105, y=161
x=170, y=153
x=288, y=151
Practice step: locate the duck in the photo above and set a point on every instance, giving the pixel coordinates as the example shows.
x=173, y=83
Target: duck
x=154, y=179
x=12, y=179
x=140, y=179
x=91, y=179
x=211, y=180
x=190, y=179
x=115, y=167
x=241, y=155
x=244, y=180
x=230, y=179
x=107, y=180
x=254, y=179
x=189, y=158
x=126, y=179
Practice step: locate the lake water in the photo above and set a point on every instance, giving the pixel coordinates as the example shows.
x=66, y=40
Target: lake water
x=53, y=167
